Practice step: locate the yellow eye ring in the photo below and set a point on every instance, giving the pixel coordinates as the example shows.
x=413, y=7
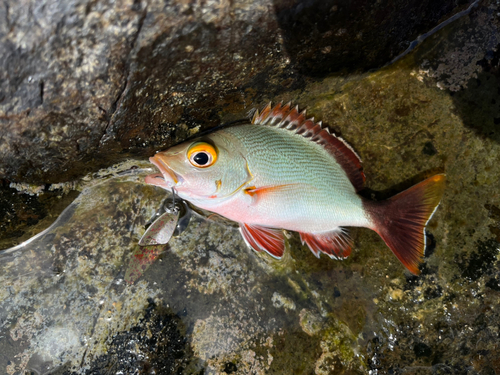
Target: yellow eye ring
x=202, y=155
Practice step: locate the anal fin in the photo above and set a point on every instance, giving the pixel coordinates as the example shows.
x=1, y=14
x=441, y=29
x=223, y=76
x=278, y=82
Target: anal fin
x=336, y=244
x=265, y=239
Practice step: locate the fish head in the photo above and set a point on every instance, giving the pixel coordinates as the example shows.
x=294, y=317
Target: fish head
x=201, y=170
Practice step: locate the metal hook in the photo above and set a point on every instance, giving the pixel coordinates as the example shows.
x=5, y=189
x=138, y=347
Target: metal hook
x=173, y=198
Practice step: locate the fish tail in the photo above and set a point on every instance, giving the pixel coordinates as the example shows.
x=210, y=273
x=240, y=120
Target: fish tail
x=401, y=219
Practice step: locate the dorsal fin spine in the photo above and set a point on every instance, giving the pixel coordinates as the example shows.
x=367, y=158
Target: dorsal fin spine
x=255, y=115
x=349, y=147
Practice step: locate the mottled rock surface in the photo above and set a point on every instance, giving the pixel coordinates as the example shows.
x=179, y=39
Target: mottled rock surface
x=85, y=83
x=209, y=305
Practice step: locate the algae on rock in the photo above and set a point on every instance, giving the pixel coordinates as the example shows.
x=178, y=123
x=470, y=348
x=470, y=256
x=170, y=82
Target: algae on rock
x=235, y=311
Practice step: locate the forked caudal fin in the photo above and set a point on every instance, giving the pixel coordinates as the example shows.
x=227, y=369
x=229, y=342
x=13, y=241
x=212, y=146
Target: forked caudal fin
x=401, y=220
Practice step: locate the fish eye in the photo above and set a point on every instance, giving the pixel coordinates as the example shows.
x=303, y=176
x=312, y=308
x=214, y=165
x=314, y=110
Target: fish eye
x=202, y=154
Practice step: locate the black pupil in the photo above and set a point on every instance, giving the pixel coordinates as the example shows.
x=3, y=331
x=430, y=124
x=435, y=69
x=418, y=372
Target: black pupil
x=201, y=158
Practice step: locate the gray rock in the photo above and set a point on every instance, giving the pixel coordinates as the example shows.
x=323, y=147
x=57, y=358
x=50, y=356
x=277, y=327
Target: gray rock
x=70, y=303
x=84, y=84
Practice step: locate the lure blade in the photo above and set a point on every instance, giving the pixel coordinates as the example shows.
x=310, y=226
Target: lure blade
x=162, y=229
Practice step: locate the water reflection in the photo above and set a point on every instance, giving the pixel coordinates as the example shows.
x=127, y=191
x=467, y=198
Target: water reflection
x=62, y=285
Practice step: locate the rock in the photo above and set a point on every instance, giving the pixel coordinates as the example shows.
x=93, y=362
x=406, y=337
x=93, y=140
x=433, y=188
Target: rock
x=85, y=84
x=65, y=305
x=63, y=69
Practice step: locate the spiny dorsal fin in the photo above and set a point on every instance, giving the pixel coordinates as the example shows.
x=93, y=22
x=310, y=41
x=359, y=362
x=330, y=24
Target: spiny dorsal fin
x=283, y=116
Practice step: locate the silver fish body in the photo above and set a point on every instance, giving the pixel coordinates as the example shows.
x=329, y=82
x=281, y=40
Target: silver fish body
x=315, y=194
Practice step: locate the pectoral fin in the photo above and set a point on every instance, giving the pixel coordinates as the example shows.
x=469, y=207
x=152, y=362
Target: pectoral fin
x=260, y=238
x=336, y=244
x=256, y=191
x=255, y=194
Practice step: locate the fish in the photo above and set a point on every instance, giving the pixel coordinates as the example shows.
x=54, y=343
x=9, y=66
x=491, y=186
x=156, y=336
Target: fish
x=283, y=171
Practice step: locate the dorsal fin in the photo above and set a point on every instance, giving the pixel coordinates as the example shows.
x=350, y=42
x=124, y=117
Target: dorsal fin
x=283, y=116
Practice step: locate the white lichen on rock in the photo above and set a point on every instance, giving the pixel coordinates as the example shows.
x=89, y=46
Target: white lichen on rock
x=282, y=301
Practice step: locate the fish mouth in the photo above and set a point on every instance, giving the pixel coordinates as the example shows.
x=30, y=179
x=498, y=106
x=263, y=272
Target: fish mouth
x=167, y=179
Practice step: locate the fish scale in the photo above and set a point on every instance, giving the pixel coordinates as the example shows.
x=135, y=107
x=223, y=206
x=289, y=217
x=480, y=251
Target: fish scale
x=327, y=198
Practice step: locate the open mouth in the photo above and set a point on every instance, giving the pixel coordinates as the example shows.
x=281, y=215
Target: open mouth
x=164, y=168
x=167, y=179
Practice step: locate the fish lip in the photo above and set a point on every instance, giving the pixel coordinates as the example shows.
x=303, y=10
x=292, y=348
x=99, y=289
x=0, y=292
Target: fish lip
x=168, y=174
x=158, y=180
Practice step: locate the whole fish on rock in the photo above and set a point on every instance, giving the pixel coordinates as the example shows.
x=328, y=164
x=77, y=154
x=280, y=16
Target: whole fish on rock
x=283, y=171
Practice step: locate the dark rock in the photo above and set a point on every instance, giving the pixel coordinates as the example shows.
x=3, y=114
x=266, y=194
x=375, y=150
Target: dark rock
x=429, y=149
x=157, y=345
x=84, y=84
x=494, y=283
x=230, y=368
x=480, y=262
x=422, y=350
x=330, y=36
x=336, y=292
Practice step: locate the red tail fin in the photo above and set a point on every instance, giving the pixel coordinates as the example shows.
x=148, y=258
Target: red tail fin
x=401, y=220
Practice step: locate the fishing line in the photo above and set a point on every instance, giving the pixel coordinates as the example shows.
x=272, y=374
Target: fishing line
x=424, y=36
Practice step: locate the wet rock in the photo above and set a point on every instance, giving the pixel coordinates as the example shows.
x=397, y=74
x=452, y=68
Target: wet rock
x=157, y=345
x=73, y=308
x=85, y=84
x=22, y=215
x=67, y=290
x=351, y=36
x=65, y=302
x=466, y=62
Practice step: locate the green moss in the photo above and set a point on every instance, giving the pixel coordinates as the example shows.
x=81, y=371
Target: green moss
x=293, y=353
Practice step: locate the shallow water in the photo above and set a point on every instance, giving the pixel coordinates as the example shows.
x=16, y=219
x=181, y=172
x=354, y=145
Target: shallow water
x=66, y=292
x=84, y=298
